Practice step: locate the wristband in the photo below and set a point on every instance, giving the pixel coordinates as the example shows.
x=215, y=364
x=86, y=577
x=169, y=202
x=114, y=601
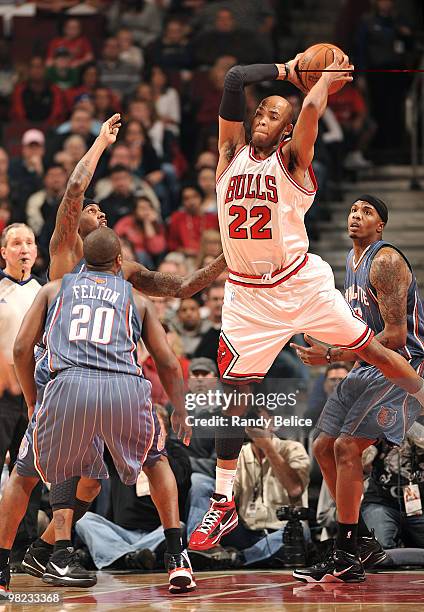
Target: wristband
x=287, y=69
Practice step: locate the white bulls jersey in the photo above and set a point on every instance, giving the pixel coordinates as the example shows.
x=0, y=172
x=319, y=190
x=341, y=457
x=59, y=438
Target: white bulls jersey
x=261, y=213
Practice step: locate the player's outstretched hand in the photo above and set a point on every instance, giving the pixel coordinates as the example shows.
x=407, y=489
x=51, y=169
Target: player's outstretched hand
x=311, y=355
x=181, y=427
x=110, y=128
x=294, y=73
x=342, y=68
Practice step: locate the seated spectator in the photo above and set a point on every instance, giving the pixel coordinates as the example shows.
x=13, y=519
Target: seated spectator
x=208, y=346
x=117, y=75
x=121, y=200
x=74, y=149
x=207, y=182
x=134, y=538
x=35, y=99
x=228, y=38
x=75, y=42
x=383, y=506
x=121, y=156
x=81, y=124
x=351, y=111
x=104, y=103
x=89, y=83
x=128, y=51
x=210, y=245
x=26, y=172
x=144, y=229
x=144, y=19
x=5, y=215
x=172, y=50
x=189, y=325
x=60, y=72
x=323, y=387
x=187, y=224
x=42, y=206
x=166, y=99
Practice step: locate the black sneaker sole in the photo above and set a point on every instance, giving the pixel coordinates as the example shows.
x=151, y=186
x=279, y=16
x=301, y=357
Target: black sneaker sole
x=327, y=578
x=374, y=559
x=32, y=569
x=67, y=581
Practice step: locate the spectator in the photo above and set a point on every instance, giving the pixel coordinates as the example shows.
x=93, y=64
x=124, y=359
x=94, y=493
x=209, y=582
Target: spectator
x=81, y=124
x=144, y=229
x=189, y=325
x=8, y=77
x=42, y=206
x=255, y=15
x=128, y=51
x=74, y=149
x=323, y=387
x=383, y=506
x=208, y=346
x=207, y=182
x=117, y=75
x=172, y=50
x=144, y=19
x=166, y=99
x=206, y=159
x=105, y=103
x=228, y=38
x=187, y=224
x=121, y=200
x=35, y=99
x=26, y=172
x=4, y=165
x=5, y=215
x=135, y=533
x=75, y=42
x=351, y=112
x=89, y=82
x=60, y=72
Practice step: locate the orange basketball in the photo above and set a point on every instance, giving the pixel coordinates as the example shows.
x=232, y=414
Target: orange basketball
x=317, y=58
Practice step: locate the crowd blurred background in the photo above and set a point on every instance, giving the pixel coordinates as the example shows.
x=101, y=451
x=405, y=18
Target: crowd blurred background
x=66, y=66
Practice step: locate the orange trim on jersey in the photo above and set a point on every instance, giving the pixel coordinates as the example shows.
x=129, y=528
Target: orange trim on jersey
x=291, y=179
x=230, y=164
x=264, y=284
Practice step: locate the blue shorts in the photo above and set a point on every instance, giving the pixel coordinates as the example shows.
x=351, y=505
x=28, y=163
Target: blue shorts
x=367, y=405
x=83, y=409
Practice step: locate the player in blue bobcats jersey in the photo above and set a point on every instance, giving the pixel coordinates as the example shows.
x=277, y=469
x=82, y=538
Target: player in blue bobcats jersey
x=381, y=288
x=93, y=321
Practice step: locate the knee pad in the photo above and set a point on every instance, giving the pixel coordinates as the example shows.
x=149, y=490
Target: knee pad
x=62, y=496
x=228, y=441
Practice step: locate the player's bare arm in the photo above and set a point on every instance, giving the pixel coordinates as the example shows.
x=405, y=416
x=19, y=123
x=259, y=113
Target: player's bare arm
x=29, y=334
x=169, y=285
x=391, y=278
x=167, y=364
x=65, y=243
x=300, y=151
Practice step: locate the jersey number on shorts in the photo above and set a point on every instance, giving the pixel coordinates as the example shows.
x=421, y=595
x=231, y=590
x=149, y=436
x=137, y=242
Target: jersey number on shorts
x=257, y=231
x=101, y=327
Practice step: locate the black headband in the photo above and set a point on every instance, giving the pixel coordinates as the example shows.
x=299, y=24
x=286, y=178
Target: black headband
x=378, y=204
x=89, y=202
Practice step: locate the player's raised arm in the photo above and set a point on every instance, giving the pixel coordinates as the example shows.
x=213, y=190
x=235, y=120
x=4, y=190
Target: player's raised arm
x=65, y=239
x=167, y=364
x=233, y=106
x=306, y=129
x=170, y=285
x=29, y=334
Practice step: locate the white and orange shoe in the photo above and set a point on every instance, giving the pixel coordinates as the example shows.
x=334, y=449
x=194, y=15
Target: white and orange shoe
x=4, y=582
x=220, y=519
x=180, y=573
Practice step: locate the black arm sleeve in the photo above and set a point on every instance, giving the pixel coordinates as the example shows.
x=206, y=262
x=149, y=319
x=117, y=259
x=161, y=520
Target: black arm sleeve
x=233, y=100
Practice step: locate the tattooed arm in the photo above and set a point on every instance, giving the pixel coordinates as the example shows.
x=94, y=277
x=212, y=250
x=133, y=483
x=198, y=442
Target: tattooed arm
x=170, y=285
x=391, y=277
x=65, y=244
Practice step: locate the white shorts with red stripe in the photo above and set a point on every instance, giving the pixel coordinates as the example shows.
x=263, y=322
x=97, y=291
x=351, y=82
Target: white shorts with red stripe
x=261, y=314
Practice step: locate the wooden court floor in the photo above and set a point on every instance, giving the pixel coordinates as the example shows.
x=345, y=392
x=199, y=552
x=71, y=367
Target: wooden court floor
x=227, y=591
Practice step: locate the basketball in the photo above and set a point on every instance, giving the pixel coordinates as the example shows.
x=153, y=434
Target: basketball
x=318, y=57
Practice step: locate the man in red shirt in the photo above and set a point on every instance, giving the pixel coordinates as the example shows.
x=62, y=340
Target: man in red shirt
x=78, y=45
x=187, y=224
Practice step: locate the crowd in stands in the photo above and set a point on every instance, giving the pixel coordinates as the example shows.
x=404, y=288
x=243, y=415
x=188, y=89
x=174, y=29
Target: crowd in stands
x=162, y=64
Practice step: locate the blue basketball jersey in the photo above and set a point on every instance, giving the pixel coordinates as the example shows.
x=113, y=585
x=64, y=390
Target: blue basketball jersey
x=93, y=323
x=362, y=297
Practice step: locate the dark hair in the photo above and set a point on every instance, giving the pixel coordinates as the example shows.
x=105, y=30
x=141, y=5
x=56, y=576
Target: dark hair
x=53, y=166
x=119, y=168
x=194, y=186
x=337, y=365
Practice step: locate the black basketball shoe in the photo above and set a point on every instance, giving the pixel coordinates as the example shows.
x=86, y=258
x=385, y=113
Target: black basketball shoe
x=339, y=566
x=65, y=569
x=180, y=573
x=36, y=559
x=371, y=552
x=4, y=582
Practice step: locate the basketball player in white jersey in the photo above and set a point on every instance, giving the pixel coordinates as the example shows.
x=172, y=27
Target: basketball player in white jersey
x=275, y=287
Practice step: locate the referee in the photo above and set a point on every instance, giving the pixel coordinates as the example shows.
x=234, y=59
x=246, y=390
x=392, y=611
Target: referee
x=18, y=289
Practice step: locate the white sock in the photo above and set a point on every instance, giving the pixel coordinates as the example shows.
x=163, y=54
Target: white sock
x=224, y=482
x=419, y=395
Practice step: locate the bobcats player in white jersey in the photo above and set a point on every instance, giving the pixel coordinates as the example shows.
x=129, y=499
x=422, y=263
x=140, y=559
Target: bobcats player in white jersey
x=275, y=287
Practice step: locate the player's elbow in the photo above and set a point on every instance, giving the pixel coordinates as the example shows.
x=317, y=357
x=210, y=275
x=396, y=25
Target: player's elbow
x=234, y=78
x=75, y=186
x=19, y=349
x=395, y=337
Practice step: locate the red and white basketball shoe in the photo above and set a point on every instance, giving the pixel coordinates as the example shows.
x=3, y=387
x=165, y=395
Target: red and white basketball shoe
x=220, y=519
